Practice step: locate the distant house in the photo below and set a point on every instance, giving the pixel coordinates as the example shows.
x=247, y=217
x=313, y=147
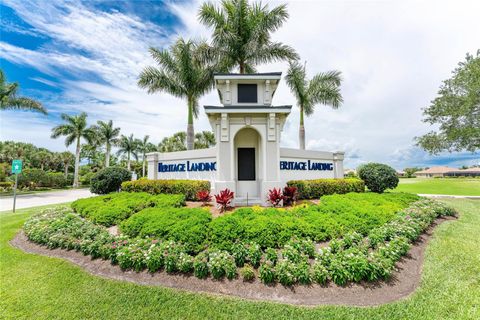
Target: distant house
x=400, y=173
x=470, y=172
x=434, y=172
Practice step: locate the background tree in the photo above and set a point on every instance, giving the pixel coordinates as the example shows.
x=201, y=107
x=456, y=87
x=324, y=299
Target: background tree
x=9, y=100
x=174, y=143
x=66, y=158
x=183, y=73
x=74, y=130
x=128, y=146
x=242, y=34
x=456, y=111
x=323, y=88
x=109, y=136
x=204, y=140
x=145, y=146
x=44, y=158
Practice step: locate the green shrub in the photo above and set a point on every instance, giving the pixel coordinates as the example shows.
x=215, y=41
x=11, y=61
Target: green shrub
x=378, y=177
x=240, y=253
x=315, y=189
x=335, y=216
x=185, y=263
x=113, y=208
x=247, y=273
x=200, y=265
x=183, y=225
x=319, y=273
x=109, y=180
x=267, y=272
x=221, y=264
x=36, y=178
x=285, y=272
x=188, y=188
x=86, y=178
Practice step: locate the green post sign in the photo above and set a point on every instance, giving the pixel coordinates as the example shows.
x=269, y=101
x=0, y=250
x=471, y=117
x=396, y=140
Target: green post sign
x=17, y=166
x=16, y=169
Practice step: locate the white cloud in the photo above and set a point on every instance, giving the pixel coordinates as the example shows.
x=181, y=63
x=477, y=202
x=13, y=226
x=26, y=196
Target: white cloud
x=393, y=56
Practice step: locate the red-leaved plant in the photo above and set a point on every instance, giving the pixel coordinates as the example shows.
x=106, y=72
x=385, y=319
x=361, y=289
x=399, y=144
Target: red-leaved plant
x=275, y=196
x=224, y=198
x=289, y=195
x=204, y=196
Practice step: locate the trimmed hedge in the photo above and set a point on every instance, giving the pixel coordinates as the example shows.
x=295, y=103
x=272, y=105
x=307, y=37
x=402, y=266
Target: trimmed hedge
x=188, y=188
x=113, y=208
x=314, y=189
x=184, y=225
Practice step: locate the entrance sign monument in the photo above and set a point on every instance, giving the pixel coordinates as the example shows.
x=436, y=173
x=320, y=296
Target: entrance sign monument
x=247, y=158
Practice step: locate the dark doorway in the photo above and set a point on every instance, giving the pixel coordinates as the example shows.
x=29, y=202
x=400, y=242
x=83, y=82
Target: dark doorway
x=246, y=164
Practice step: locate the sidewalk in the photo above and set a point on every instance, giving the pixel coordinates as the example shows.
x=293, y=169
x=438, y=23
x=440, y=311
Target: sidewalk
x=448, y=196
x=43, y=198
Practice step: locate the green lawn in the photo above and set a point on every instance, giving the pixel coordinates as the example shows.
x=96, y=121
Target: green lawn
x=450, y=186
x=37, y=287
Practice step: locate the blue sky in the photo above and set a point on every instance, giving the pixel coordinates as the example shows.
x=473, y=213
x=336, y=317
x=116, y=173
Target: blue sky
x=86, y=56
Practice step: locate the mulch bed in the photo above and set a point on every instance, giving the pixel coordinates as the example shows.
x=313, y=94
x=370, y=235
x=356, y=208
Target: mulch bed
x=403, y=282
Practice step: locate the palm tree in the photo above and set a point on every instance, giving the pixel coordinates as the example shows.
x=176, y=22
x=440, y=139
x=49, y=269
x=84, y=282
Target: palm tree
x=66, y=158
x=241, y=33
x=144, y=146
x=323, y=88
x=74, y=129
x=174, y=143
x=184, y=73
x=108, y=135
x=44, y=157
x=10, y=101
x=129, y=146
x=204, y=139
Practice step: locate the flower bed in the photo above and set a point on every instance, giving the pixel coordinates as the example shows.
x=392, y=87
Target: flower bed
x=113, y=208
x=352, y=258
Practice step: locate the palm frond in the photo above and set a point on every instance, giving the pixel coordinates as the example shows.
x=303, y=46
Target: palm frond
x=23, y=103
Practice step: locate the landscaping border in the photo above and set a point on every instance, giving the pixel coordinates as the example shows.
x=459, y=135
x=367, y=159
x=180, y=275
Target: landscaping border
x=403, y=282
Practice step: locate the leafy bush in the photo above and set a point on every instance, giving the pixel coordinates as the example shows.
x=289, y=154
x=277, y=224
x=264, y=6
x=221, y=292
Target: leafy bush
x=200, y=265
x=223, y=199
x=275, y=196
x=188, y=188
x=267, y=272
x=183, y=225
x=290, y=195
x=221, y=264
x=378, y=177
x=247, y=273
x=204, y=196
x=315, y=189
x=109, y=180
x=113, y=208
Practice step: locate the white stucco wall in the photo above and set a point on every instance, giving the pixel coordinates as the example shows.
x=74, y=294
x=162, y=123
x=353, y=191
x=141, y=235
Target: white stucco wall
x=302, y=157
x=183, y=158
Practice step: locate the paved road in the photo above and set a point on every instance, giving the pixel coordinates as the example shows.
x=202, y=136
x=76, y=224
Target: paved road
x=43, y=198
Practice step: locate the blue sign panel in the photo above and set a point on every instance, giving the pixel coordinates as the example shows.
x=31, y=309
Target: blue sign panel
x=189, y=166
x=306, y=165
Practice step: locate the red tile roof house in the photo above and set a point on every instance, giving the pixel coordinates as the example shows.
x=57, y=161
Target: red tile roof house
x=448, y=172
x=434, y=172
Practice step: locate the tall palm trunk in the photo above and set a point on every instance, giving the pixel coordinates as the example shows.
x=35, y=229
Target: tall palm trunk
x=301, y=132
x=143, y=166
x=190, y=130
x=65, y=164
x=128, y=160
x=107, y=155
x=241, y=67
x=77, y=163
